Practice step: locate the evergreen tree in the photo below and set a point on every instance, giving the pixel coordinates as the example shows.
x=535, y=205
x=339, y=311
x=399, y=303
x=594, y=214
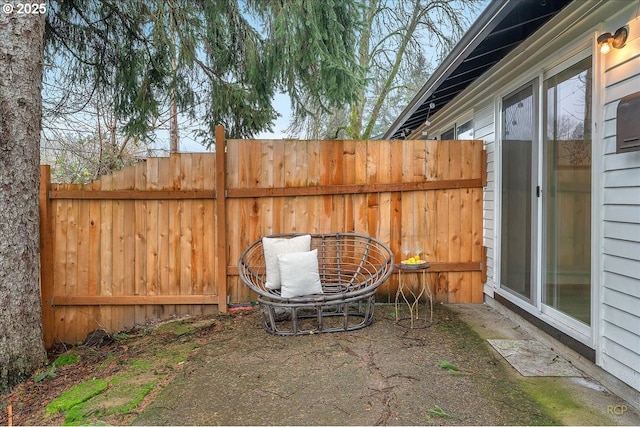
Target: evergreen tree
x=220, y=61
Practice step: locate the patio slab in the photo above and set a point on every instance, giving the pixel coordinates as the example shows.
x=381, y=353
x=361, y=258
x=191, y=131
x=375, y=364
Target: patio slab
x=385, y=374
x=532, y=359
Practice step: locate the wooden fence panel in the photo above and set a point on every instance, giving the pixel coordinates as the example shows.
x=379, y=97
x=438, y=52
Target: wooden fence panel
x=163, y=237
x=122, y=256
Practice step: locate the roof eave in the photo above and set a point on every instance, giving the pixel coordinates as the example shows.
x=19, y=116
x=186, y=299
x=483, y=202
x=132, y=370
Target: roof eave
x=483, y=25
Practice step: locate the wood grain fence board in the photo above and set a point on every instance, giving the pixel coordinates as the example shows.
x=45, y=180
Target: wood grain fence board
x=94, y=251
x=478, y=250
x=278, y=182
x=240, y=214
x=185, y=230
x=125, y=179
x=83, y=259
x=313, y=178
x=267, y=156
x=351, y=170
x=209, y=232
x=236, y=165
x=47, y=249
x=106, y=251
x=370, y=214
x=156, y=233
x=151, y=230
x=165, y=235
x=71, y=266
x=197, y=231
x=197, y=241
x=384, y=203
x=453, y=232
x=197, y=224
x=176, y=209
x=140, y=240
x=221, y=222
x=442, y=161
x=132, y=300
x=299, y=178
x=380, y=158
x=60, y=261
x=442, y=237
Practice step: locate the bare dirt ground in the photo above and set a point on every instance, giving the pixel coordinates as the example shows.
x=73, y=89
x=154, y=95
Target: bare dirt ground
x=226, y=370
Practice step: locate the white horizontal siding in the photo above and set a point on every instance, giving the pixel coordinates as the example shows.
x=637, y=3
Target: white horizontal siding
x=621, y=223
x=627, y=231
x=484, y=130
x=624, y=267
x=622, y=249
x=615, y=162
x=622, y=301
x=621, y=353
x=621, y=213
x=630, y=375
x=622, y=177
x=622, y=195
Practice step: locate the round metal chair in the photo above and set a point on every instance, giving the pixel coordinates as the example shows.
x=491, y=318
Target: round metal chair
x=351, y=267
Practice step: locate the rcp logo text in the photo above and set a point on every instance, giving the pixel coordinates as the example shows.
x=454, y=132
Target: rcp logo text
x=617, y=409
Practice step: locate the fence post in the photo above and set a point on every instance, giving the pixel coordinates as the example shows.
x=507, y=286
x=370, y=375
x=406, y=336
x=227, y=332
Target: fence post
x=221, y=221
x=46, y=256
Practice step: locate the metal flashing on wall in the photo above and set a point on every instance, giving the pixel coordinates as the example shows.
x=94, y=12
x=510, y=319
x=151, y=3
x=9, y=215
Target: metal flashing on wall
x=628, y=124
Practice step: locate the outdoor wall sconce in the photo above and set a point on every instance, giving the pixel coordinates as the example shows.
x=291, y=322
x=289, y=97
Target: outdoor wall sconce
x=606, y=41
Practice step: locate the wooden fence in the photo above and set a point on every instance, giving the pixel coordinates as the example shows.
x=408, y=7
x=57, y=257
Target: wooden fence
x=163, y=237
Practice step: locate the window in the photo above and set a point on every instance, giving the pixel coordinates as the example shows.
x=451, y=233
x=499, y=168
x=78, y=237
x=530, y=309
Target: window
x=459, y=131
x=465, y=130
x=449, y=134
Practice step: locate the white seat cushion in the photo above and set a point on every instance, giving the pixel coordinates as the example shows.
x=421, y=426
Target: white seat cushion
x=299, y=274
x=273, y=246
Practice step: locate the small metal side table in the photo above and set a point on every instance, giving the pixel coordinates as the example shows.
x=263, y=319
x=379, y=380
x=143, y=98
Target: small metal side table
x=411, y=297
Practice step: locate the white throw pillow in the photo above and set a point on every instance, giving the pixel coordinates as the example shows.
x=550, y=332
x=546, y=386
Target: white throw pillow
x=299, y=274
x=273, y=246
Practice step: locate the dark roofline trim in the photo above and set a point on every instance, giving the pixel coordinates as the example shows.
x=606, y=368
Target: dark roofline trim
x=485, y=23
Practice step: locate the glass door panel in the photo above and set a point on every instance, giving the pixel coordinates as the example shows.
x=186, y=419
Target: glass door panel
x=518, y=136
x=567, y=197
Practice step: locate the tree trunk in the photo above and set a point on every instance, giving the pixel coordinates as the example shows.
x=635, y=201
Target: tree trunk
x=173, y=126
x=21, y=61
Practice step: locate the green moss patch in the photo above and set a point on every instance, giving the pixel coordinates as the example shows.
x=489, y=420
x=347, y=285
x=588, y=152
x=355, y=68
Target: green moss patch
x=100, y=401
x=176, y=354
x=125, y=393
x=560, y=403
x=177, y=328
x=76, y=395
x=180, y=328
x=66, y=359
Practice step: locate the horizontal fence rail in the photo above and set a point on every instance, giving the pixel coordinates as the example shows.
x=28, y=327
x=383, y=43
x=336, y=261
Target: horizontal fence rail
x=163, y=237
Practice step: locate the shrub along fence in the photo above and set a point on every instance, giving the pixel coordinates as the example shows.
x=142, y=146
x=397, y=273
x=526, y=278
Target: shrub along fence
x=163, y=237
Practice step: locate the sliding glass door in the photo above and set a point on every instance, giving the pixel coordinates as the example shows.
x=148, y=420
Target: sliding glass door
x=545, y=194
x=567, y=184
x=518, y=202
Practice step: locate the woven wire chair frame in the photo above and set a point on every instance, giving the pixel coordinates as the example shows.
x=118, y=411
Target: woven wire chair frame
x=351, y=266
